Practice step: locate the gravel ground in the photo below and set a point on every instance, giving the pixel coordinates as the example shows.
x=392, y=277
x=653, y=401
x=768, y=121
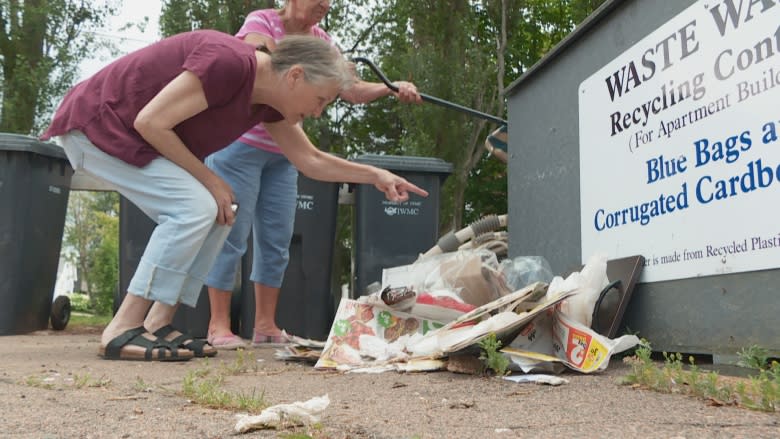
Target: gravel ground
x=144, y=400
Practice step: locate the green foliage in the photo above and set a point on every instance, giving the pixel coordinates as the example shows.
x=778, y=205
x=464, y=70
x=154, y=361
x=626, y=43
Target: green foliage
x=41, y=45
x=206, y=388
x=455, y=51
x=79, y=302
x=485, y=190
x=66, y=382
x=754, y=357
x=225, y=15
x=88, y=320
x=761, y=392
x=92, y=232
x=493, y=359
x=245, y=362
x=105, y=265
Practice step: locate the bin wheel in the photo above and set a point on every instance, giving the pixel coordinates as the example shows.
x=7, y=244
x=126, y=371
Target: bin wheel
x=60, y=313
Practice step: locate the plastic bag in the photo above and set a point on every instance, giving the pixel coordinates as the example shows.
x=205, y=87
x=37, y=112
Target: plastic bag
x=590, y=281
x=472, y=275
x=525, y=270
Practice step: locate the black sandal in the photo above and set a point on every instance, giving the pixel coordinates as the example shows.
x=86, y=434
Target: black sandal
x=135, y=337
x=186, y=341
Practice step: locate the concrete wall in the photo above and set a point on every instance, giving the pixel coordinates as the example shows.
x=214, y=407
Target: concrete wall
x=712, y=315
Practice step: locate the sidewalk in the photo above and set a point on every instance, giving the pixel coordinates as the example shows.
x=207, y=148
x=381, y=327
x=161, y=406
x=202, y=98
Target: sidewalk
x=143, y=400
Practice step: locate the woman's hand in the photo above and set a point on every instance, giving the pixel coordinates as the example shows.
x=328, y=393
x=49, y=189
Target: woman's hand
x=407, y=92
x=223, y=195
x=181, y=99
x=396, y=188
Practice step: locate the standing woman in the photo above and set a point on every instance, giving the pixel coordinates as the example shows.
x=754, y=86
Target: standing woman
x=265, y=184
x=143, y=125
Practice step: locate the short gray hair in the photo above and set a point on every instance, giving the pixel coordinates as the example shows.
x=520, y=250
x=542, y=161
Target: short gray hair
x=321, y=62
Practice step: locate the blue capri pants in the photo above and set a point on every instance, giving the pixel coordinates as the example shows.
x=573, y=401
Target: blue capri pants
x=265, y=185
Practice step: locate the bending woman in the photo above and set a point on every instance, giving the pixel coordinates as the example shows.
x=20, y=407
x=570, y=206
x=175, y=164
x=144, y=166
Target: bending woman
x=144, y=124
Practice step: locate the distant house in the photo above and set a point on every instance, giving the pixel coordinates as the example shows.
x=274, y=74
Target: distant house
x=66, y=274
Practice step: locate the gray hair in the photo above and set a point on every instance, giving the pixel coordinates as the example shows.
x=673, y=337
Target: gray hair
x=321, y=62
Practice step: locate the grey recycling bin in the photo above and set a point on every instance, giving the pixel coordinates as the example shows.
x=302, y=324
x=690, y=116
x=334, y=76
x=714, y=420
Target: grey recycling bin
x=306, y=306
x=135, y=228
x=389, y=234
x=34, y=189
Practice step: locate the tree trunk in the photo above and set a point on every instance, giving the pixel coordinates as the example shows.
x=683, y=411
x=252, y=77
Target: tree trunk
x=23, y=67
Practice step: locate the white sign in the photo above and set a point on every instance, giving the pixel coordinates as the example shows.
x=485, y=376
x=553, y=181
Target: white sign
x=679, y=149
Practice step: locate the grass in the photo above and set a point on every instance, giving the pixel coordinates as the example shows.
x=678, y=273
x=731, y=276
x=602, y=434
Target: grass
x=81, y=320
x=760, y=392
x=57, y=382
x=207, y=390
x=205, y=386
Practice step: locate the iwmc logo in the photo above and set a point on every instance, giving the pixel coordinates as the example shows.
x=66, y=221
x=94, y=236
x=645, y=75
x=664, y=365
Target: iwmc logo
x=407, y=211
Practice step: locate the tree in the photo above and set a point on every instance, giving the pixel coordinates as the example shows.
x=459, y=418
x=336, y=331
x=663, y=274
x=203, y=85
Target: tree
x=463, y=51
x=226, y=15
x=91, y=229
x=41, y=45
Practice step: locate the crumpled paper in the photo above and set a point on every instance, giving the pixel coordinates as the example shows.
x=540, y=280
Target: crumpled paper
x=297, y=413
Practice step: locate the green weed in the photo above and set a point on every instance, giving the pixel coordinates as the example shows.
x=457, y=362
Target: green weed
x=491, y=357
x=38, y=381
x=204, y=386
x=761, y=392
x=140, y=385
x=245, y=362
x=81, y=381
x=753, y=357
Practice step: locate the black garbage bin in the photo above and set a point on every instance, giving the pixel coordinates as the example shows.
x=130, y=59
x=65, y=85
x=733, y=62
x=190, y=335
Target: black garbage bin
x=389, y=234
x=34, y=189
x=306, y=307
x=135, y=229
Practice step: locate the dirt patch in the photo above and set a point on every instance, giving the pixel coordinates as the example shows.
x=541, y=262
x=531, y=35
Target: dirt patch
x=144, y=400
x=84, y=330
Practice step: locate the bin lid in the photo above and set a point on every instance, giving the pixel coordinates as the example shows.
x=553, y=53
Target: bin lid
x=406, y=163
x=18, y=142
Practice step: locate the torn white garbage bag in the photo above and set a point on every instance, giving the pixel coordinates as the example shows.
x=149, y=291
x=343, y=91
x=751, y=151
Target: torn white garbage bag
x=589, y=281
x=297, y=413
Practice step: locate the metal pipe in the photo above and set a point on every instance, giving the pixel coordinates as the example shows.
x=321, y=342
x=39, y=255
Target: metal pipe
x=429, y=98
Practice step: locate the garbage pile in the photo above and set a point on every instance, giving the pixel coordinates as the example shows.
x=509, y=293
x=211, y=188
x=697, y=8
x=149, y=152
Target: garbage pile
x=431, y=314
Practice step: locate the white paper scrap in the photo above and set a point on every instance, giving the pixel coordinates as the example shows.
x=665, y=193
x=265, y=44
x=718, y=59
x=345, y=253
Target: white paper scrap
x=537, y=379
x=298, y=412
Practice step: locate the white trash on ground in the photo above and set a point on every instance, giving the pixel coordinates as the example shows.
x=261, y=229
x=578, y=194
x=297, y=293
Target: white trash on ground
x=537, y=379
x=297, y=413
x=370, y=335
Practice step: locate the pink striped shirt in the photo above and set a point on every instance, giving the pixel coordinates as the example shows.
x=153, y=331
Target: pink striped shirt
x=267, y=22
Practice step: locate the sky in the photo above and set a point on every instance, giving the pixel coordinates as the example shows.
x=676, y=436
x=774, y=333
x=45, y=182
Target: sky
x=126, y=40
